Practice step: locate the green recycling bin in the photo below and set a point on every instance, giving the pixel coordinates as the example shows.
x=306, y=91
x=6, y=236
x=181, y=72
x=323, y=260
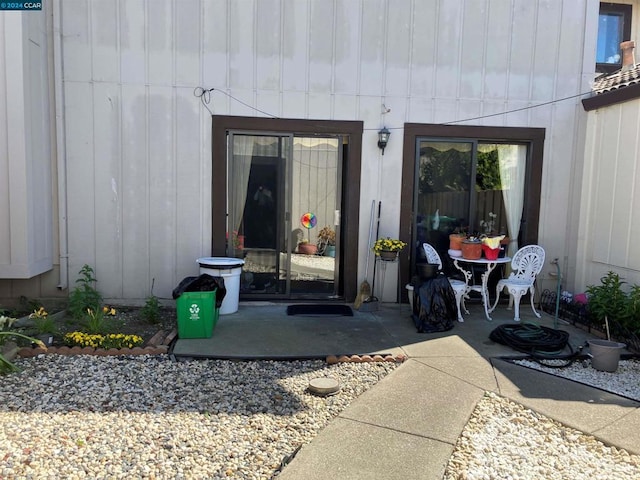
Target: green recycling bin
x=197, y=314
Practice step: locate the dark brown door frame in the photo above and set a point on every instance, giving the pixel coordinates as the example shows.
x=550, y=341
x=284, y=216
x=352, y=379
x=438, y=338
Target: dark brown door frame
x=533, y=179
x=350, y=215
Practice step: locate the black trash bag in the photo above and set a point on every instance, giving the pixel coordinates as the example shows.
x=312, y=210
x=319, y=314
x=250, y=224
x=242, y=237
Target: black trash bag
x=203, y=283
x=434, y=305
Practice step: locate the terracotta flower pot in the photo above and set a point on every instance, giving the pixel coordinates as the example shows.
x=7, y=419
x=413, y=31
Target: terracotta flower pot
x=307, y=248
x=471, y=250
x=455, y=241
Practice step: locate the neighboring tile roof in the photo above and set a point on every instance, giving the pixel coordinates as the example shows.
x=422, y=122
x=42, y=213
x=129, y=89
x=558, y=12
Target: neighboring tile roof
x=617, y=80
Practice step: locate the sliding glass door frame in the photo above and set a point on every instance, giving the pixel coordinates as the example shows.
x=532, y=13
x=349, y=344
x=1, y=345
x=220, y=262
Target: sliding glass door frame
x=350, y=131
x=413, y=133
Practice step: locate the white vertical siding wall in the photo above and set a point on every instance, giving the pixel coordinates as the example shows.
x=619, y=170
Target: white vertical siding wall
x=610, y=214
x=138, y=140
x=27, y=162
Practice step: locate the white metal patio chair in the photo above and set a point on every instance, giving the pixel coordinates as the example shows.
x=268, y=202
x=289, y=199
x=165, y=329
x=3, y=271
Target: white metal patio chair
x=526, y=264
x=460, y=288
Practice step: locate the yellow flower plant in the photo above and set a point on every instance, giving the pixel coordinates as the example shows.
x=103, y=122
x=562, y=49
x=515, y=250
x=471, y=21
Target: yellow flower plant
x=113, y=340
x=6, y=322
x=40, y=313
x=388, y=244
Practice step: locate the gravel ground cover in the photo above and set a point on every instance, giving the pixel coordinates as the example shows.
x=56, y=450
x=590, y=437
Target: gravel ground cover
x=148, y=417
x=625, y=381
x=504, y=440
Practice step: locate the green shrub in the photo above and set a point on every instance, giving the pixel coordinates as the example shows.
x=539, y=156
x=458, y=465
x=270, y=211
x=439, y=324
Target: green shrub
x=42, y=322
x=84, y=296
x=100, y=321
x=610, y=301
x=633, y=309
x=151, y=310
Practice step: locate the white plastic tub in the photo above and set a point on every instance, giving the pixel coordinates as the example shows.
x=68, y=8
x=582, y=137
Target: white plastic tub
x=230, y=270
x=409, y=288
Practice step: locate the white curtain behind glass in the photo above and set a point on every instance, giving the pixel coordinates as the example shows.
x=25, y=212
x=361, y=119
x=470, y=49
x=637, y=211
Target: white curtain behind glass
x=512, y=160
x=242, y=153
x=446, y=146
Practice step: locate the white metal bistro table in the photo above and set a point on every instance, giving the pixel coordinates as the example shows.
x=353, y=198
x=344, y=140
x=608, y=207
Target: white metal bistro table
x=468, y=275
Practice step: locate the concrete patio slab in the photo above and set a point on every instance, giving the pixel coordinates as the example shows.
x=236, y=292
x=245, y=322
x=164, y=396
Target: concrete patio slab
x=353, y=450
x=267, y=332
x=407, y=425
x=440, y=345
x=474, y=371
x=623, y=432
x=440, y=404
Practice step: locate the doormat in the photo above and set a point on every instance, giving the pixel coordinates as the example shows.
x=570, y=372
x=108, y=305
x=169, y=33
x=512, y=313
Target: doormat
x=319, y=309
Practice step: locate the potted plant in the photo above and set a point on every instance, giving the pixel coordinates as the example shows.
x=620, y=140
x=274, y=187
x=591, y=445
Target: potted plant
x=388, y=248
x=489, y=225
x=327, y=241
x=471, y=248
x=307, y=248
x=608, y=305
x=491, y=246
x=44, y=326
x=608, y=300
x=455, y=240
x=237, y=240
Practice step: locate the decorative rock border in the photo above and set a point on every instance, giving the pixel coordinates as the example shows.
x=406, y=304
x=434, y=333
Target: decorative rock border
x=332, y=359
x=157, y=345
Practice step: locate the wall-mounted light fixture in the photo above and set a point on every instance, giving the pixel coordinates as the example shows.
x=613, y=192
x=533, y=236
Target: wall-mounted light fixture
x=383, y=138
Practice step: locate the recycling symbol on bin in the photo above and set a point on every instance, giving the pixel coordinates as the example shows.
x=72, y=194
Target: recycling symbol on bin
x=194, y=309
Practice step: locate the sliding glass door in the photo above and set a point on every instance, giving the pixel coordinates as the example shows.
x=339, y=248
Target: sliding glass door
x=470, y=186
x=283, y=191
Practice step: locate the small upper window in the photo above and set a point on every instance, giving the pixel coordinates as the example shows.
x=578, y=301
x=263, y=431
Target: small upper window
x=614, y=27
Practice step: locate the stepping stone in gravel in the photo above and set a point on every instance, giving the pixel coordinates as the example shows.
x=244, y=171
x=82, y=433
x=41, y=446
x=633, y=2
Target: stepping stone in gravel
x=324, y=386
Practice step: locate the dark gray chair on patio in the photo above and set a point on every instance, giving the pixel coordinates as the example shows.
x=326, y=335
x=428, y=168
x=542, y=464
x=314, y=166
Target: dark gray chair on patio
x=460, y=288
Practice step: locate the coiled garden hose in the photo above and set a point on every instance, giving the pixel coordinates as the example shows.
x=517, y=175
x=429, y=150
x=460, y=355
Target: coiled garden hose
x=541, y=343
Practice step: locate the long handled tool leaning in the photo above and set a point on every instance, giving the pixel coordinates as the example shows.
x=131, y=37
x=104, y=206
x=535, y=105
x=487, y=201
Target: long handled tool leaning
x=365, y=288
x=372, y=302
